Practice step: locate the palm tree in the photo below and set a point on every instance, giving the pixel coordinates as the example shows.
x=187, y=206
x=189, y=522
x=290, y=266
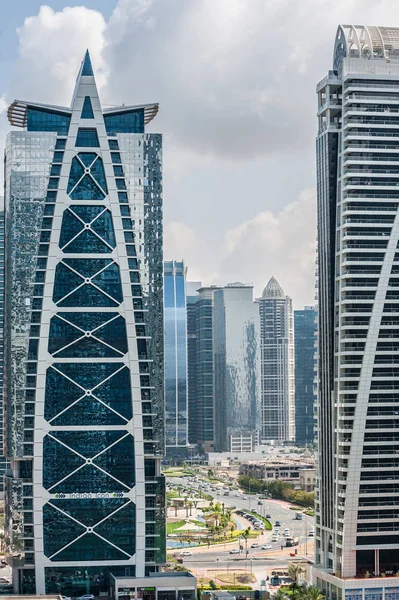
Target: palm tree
x=280, y=595
x=295, y=571
x=313, y=593
x=175, y=506
x=245, y=534
x=190, y=505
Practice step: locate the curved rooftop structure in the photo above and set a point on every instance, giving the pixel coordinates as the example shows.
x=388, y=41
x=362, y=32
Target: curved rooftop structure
x=361, y=41
x=273, y=289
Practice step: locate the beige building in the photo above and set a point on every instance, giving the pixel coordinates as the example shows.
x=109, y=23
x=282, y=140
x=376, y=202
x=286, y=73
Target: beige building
x=307, y=479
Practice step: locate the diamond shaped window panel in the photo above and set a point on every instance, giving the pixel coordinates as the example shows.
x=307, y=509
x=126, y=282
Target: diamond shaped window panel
x=87, y=179
x=88, y=458
x=87, y=282
x=87, y=335
x=59, y=530
x=90, y=547
x=88, y=394
x=87, y=229
x=89, y=511
x=87, y=110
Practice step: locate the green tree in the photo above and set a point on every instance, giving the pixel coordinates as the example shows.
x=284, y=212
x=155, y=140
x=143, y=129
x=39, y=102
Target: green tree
x=311, y=592
x=295, y=571
x=280, y=595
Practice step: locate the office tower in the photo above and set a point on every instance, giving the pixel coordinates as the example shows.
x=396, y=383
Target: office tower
x=277, y=364
x=2, y=457
x=236, y=364
x=84, y=343
x=201, y=413
x=175, y=331
x=192, y=288
x=358, y=371
x=305, y=338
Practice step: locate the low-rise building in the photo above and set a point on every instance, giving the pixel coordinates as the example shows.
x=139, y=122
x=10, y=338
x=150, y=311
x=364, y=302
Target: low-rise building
x=286, y=469
x=307, y=479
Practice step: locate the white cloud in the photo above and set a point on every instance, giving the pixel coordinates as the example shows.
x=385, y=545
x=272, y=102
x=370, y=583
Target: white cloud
x=52, y=45
x=282, y=244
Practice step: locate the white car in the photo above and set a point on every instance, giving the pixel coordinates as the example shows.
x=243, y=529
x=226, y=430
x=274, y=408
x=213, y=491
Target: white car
x=244, y=498
x=311, y=533
x=255, y=545
x=186, y=553
x=266, y=547
x=85, y=597
x=274, y=539
x=234, y=551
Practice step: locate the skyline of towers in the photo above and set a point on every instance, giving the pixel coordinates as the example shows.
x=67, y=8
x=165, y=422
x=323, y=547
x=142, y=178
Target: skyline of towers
x=358, y=330
x=83, y=343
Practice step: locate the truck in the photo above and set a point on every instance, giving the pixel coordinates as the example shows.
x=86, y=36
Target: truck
x=290, y=542
x=298, y=516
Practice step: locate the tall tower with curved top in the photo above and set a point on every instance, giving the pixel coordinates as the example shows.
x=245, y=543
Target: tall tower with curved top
x=84, y=343
x=357, y=519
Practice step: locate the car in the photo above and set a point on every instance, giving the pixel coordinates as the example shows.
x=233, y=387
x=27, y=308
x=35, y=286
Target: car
x=4, y=580
x=186, y=553
x=266, y=546
x=311, y=533
x=237, y=495
x=260, y=503
x=268, y=516
x=274, y=539
x=244, y=498
x=255, y=545
x=234, y=551
x=277, y=524
x=85, y=597
x=65, y=598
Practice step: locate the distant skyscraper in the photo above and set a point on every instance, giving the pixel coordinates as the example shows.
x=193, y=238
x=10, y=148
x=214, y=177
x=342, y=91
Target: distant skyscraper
x=236, y=363
x=277, y=364
x=83, y=344
x=2, y=457
x=200, y=301
x=305, y=337
x=175, y=325
x=357, y=533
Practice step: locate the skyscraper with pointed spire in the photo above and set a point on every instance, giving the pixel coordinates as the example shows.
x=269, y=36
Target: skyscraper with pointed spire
x=83, y=343
x=277, y=364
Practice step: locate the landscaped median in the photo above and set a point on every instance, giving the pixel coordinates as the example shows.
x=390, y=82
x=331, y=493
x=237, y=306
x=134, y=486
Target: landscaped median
x=266, y=522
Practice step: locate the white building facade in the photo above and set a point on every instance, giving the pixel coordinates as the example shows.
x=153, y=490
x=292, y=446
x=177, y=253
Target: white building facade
x=277, y=364
x=357, y=519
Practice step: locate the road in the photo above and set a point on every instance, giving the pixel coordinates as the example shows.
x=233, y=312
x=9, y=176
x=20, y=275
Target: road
x=262, y=562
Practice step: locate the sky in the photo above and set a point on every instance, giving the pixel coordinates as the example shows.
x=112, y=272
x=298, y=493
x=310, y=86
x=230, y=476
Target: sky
x=236, y=82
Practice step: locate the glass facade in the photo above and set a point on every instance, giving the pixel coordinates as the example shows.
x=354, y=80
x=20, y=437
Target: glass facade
x=84, y=352
x=175, y=324
x=2, y=457
x=305, y=339
x=236, y=364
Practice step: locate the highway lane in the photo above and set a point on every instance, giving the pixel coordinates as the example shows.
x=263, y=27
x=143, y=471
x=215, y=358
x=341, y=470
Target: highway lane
x=278, y=510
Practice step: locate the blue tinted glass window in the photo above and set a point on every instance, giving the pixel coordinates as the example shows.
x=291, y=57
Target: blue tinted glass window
x=97, y=171
x=113, y=144
x=116, y=157
x=90, y=548
x=118, y=171
x=60, y=144
x=125, y=122
x=120, y=184
x=55, y=170
x=53, y=183
x=109, y=402
x=100, y=222
x=88, y=158
x=87, y=69
x=87, y=190
x=45, y=120
x=58, y=157
x=87, y=138
x=58, y=529
x=51, y=196
x=76, y=172
x=87, y=110
x=122, y=197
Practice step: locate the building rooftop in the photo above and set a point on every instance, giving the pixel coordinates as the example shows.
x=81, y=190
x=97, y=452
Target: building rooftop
x=273, y=289
x=364, y=41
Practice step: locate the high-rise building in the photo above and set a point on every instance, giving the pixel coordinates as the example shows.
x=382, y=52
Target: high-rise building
x=84, y=344
x=357, y=536
x=2, y=457
x=175, y=328
x=305, y=338
x=201, y=413
x=277, y=364
x=236, y=364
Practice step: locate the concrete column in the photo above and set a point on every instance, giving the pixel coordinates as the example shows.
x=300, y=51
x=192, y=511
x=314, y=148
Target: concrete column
x=377, y=562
